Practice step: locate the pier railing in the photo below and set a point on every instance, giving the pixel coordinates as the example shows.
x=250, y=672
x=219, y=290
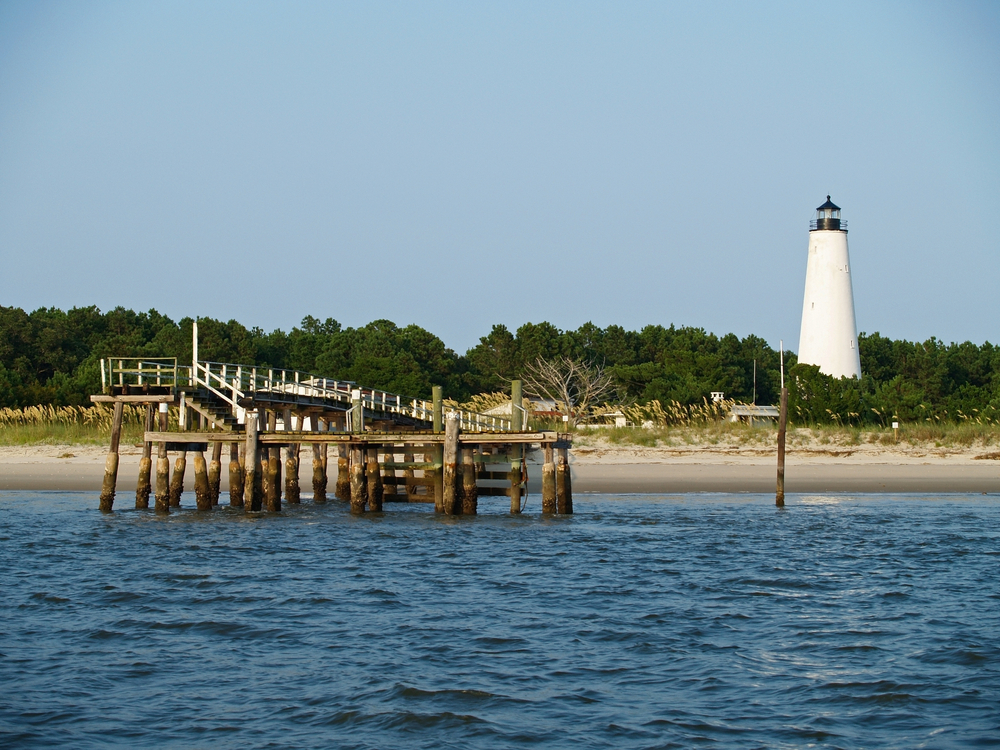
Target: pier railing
x=235, y=384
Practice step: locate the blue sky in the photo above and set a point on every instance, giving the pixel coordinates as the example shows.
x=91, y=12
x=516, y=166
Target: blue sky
x=457, y=165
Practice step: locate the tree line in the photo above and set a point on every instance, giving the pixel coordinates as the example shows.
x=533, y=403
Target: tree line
x=51, y=356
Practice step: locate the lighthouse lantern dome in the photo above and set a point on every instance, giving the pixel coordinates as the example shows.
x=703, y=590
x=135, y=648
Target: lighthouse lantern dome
x=828, y=218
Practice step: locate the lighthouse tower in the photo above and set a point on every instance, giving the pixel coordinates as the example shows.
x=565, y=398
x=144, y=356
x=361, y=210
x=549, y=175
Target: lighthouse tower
x=829, y=334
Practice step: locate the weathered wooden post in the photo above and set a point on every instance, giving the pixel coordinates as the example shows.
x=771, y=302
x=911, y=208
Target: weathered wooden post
x=564, y=484
x=202, y=493
x=162, y=467
x=319, y=463
x=272, y=469
x=450, y=499
x=470, y=492
x=143, y=487
x=235, y=477
x=177, y=480
x=436, y=402
x=779, y=497
x=408, y=478
x=252, y=485
x=111, y=462
x=516, y=406
x=292, y=490
x=342, y=491
x=516, y=452
x=215, y=473
x=357, y=411
x=374, y=481
x=358, y=489
x=548, y=481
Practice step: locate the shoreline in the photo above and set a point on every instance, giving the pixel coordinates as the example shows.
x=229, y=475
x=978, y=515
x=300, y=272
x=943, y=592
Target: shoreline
x=603, y=469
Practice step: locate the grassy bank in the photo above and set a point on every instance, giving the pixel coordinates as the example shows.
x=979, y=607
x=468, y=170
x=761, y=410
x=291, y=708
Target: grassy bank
x=68, y=425
x=938, y=435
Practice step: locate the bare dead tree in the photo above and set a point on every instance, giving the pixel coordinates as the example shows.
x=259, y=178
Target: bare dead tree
x=571, y=382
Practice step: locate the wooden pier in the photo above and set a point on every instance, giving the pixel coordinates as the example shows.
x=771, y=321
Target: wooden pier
x=386, y=448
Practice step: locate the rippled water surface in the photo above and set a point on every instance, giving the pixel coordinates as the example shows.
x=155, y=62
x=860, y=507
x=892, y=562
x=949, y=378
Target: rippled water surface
x=640, y=622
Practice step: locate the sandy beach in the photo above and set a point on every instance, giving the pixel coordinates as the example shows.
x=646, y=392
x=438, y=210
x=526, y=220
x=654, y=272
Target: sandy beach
x=598, y=466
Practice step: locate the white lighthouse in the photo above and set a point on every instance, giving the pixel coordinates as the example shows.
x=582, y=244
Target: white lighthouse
x=829, y=334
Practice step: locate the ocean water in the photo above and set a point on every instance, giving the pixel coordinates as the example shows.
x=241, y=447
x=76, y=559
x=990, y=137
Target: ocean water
x=712, y=621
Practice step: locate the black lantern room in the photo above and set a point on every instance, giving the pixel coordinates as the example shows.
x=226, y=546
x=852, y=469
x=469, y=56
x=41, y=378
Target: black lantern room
x=828, y=218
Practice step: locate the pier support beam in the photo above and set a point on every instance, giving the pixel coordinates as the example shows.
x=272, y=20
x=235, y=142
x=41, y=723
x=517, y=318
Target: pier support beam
x=470, y=492
x=319, y=464
x=450, y=498
x=177, y=480
x=548, y=481
x=111, y=462
x=376, y=490
x=564, y=486
x=235, y=477
x=253, y=484
x=358, y=490
x=202, y=493
x=293, y=494
x=143, y=487
x=162, y=467
x=342, y=491
x=516, y=453
x=215, y=473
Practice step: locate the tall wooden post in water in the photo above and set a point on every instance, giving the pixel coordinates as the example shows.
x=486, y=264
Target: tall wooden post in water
x=517, y=450
x=548, y=481
x=215, y=473
x=142, y=488
x=111, y=462
x=779, y=497
x=235, y=477
x=252, y=485
x=450, y=498
x=162, y=467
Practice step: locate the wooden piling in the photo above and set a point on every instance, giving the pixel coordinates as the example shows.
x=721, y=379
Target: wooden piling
x=342, y=490
x=177, y=480
x=272, y=496
x=143, y=487
x=516, y=406
x=470, y=492
x=436, y=475
x=451, y=504
x=437, y=421
x=564, y=485
x=235, y=477
x=376, y=490
x=548, y=481
x=516, y=452
x=111, y=462
x=215, y=473
x=409, y=479
x=358, y=489
x=319, y=475
x=253, y=474
x=202, y=493
x=292, y=490
x=162, y=468
x=779, y=497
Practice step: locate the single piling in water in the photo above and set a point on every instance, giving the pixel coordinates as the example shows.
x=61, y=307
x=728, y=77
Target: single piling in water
x=359, y=496
x=436, y=475
x=215, y=473
x=548, y=481
x=177, y=480
x=202, y=493
x=235, y=477
x=162, y=468
x=292, y=491
x=779, y=496
x=470, y=492
x=564, y=485
x=451, y=503
x=516, y=475
x=376, y=491
x=143, y=487
x=342, y=491
x=253, y=475
x=111, y=462
x=319, y=475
